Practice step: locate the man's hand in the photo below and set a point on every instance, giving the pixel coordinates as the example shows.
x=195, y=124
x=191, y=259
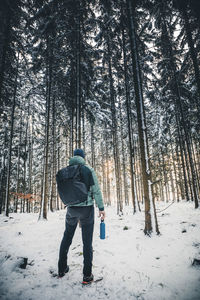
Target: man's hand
x=102, y=214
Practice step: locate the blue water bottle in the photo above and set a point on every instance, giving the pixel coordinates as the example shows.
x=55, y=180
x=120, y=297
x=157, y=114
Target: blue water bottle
x=102, y=230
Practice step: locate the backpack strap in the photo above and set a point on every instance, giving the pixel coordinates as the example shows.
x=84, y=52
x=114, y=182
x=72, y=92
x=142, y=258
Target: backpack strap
x=77, y=173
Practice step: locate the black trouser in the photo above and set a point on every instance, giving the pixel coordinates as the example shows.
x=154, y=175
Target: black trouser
x=86, y=216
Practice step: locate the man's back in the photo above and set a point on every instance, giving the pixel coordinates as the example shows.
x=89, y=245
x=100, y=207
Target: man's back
x=83, y=212
x=94, y=191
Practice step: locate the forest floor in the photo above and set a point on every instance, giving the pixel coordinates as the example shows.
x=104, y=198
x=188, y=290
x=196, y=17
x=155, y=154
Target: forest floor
x=133, y=265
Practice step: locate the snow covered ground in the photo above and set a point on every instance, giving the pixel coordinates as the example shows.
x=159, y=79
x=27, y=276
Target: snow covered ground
x=133, y=266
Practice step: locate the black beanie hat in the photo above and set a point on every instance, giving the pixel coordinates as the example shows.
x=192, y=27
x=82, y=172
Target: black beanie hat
x=79, y=152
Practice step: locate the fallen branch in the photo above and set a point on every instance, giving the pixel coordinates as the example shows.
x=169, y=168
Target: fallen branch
x=165, y=207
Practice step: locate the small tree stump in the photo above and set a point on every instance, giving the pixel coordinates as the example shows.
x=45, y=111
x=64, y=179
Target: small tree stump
x=125, y=228
x=23, y=262
x=196, y=262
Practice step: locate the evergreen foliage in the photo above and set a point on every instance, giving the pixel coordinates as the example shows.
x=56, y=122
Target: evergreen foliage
x=118, y=78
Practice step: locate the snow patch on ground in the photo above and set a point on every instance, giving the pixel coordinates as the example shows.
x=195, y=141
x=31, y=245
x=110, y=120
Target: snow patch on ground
x=133, y=265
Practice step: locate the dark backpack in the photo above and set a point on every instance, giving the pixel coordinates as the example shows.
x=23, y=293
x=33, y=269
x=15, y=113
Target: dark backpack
x=71, y=187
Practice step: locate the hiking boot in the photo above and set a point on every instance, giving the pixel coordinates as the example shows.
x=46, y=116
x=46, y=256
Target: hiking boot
x=87, y=279
x=61, y=274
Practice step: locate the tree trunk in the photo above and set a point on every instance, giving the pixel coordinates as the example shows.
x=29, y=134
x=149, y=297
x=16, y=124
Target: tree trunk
x=58, y=165
x=165, y=176
x=127, y=89
x=7, y=200
x=78, y=84
x=107, y=170
x=92, y=145
x=30, y=164
x=142, y=131
x=174, y=167
x=53, y=179
x=5, y=45
x=25, y=158
x=114, y=133
x=43, y=213
x=18, y=164
x=125, y=184
x=178, y=103
x=3, y=176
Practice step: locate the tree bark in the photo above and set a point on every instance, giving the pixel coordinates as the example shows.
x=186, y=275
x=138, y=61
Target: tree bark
x=7, y=200
x=43, y=212
x=127, y=89
x=142, y=131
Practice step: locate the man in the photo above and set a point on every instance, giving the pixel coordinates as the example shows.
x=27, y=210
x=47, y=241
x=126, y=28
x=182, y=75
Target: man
x=83, y=212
